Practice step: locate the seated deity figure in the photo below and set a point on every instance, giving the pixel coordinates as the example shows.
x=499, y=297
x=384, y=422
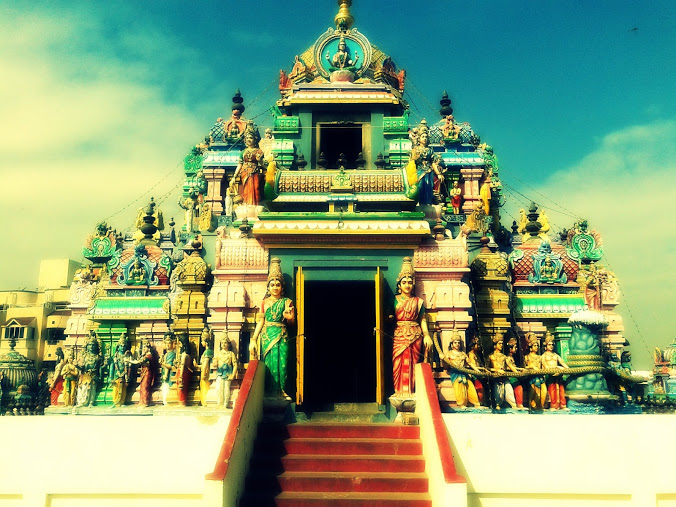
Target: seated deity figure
x=226, y=369
x=462, y=386
x=548, y=270
x=249, y=171
x=167, y=364
x=341, y=59
x=207, y=340
x=269, y=341
x=502, y=390
x=533, y=361
x=551, y=360
x=90, y=365
x=517, y=387
x=475, y=358
x=70, y=375
x=120, y=371
x=410, y=334
x=424, y=166
x=183, y=370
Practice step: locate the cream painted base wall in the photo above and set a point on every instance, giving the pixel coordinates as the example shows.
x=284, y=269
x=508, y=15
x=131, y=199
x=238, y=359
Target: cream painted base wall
x=95, y=461
x=563, y=460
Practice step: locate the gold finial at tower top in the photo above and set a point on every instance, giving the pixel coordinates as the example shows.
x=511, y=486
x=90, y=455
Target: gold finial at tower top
x=344, y=19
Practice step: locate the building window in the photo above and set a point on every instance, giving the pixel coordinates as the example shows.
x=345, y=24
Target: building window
x=345, y=138
x=16, y=332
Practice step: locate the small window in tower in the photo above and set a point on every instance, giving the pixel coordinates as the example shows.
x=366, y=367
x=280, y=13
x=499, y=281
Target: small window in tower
x=339, y=138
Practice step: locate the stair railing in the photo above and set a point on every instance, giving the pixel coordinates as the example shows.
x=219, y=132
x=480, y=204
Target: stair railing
x=446, y=486
x=225, y=485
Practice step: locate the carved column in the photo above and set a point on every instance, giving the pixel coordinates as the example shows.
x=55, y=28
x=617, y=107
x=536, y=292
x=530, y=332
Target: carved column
x=240, y=280
x=440, y=267
x=471, y=177
x=214, y=177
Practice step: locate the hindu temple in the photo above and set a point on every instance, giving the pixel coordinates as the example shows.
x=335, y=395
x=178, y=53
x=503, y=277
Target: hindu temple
x=337, y=224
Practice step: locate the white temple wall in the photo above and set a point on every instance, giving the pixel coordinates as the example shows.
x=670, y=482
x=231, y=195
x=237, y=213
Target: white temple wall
x=97, y=461
x=561, y=460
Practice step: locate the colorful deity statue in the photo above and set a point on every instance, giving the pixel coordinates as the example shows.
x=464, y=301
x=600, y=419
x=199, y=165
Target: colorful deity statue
x=270, y=339
x=517, y=387
x=226, y=370
x=70, y=373
x=424, y=166
x=475, y=358
x=189, y=204
x=56, y=385
x=410, y=334
x=456, y=197
x=497, y=361
x=551, y=360
x=207, y=341
x=250, y=169
x=533, y=362
x=462, y=385
x=184, y=368
x=90, y=365
x=167, y=364
x=120, y=371
x=147, y=375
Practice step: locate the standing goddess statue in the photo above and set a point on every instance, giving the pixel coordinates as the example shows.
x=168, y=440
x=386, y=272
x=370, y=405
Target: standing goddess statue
x=410, y=334
x=270, y=339
x=250, y=169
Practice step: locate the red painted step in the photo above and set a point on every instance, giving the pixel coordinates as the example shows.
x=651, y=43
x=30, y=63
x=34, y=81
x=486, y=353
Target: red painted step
x=352, y=431
x=343, y=446
x=337, y=464
x=295, y=499
x=352, y=463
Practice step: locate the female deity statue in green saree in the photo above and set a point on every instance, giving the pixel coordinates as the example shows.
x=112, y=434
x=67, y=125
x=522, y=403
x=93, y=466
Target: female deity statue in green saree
x=270, y=339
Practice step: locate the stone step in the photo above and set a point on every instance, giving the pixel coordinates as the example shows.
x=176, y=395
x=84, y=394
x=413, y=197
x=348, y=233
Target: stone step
x=338, y=499
x=272, y=464
x=358, y=482
x=334, y=430
x=340, y=446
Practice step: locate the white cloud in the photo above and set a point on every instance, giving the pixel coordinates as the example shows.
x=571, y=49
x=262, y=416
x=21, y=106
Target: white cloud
x=85, y=133
x=626, y=189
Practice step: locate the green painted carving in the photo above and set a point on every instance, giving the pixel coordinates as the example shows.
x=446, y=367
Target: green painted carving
x=192, y=163
x=100, y=246
x=583, y=245
x=395, y=124
x=287, y=124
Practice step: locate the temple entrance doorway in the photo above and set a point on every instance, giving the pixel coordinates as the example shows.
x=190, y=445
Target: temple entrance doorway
x=340, y=346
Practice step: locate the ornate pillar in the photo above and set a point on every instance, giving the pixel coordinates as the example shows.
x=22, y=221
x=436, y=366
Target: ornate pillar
x=440, y=267
x=471, y=177
x=240, y=280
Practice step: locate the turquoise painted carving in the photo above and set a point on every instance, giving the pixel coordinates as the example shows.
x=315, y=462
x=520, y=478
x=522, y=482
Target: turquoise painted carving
x=515, y=256
x=139, y=270
x=547, y=266
x=585, y=351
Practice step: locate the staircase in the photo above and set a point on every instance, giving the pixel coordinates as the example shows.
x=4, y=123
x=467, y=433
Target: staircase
x=336, y=464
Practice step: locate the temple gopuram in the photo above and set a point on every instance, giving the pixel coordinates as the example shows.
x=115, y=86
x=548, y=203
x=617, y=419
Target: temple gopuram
x=356, y=258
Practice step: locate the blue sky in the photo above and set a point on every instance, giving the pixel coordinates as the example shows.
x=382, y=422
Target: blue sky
x=101, y=100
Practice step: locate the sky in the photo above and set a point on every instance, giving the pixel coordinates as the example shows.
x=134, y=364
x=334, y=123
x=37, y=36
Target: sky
x=100, y=101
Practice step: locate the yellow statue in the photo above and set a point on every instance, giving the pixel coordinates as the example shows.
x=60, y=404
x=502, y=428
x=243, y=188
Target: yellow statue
x=462, y=385
x=533, y=361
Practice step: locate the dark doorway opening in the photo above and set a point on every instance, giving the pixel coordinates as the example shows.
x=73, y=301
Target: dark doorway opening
x=340, y=348
x=335, y=139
